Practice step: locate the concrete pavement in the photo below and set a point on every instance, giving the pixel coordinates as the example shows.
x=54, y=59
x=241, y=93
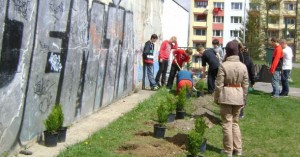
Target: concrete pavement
x=266, y=87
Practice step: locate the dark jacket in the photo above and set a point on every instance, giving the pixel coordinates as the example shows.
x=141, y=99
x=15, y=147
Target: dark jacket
x=245, y=58
x=209, y=56
x=148, y=52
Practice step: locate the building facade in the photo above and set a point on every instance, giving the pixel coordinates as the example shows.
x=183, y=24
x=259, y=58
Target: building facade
x=216, y=19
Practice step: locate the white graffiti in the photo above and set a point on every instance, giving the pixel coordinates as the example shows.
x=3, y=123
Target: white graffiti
x=54, y=60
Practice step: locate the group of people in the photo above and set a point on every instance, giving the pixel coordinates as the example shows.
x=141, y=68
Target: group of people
x=181, y=57
x=281, y=67
x=230, y=74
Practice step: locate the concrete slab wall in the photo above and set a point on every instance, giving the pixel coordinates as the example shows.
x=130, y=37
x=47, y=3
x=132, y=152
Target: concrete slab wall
x=83, y=54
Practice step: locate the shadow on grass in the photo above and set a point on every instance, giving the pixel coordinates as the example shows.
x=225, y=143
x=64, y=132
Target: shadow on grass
x=178, y=139
x=213, y=148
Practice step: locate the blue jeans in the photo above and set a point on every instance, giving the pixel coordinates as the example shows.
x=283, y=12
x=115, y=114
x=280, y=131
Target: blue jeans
x=285, y=81
x=275, y=83
x=149, y=69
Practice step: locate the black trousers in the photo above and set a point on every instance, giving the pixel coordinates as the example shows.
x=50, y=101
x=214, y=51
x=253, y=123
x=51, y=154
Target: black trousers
x=211, y=79
x=173, y=71
x=162, y=72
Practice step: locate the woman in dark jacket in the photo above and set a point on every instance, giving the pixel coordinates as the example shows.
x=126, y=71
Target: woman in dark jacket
x=245, y=58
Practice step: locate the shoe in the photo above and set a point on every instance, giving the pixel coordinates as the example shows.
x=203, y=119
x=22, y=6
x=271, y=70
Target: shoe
x=272, y=94
x=275, y=96
x=224, y=153
x=283, y=95
x=155, y=88
x=235, y=152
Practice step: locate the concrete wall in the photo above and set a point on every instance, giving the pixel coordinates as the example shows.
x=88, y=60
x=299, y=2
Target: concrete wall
x=84, y=54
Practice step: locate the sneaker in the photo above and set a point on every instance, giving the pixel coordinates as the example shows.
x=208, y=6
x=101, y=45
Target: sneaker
x=235, y=152
x=224, y=153
x=155, y=88
x=275, y=96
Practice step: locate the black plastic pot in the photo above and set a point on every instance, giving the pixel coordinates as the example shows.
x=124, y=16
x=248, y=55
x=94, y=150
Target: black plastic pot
x=159, y=131
x=62, y=133
x=200, y=94
x=50, y=139
x=180, y=114
x=194, y=156
x=171, y=117
x=203, y=146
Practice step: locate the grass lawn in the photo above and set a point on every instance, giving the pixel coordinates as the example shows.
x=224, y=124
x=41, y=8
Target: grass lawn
x=295, y=75
x=270, y=129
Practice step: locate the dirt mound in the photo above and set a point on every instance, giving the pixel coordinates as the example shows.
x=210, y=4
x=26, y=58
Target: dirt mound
x=144, y=144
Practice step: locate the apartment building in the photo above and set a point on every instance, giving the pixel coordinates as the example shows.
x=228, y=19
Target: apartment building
x=280, y=18
x=216, y=19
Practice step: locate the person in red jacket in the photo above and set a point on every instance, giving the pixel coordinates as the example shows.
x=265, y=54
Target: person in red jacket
x=163, y=57
x=276, y=66
x=180, y=58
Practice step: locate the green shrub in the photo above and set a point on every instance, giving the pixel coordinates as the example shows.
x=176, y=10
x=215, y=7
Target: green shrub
x=60, y=115
x=181, y=99
x=200, y=126
x=162, y=114
x=171, y=102
x=194, y=142
x=52, y=121
x=200, y=85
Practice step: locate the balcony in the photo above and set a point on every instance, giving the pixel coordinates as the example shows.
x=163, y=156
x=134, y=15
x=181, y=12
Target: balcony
x=198, y=38
x=200, y=11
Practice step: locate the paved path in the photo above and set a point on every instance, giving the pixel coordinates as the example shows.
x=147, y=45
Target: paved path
x=85, y=127
x=296, y=65
x=266, y=87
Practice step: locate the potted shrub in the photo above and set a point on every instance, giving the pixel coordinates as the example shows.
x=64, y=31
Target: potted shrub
x=193, y=144
x=162, y=115
x=62, y=131
x=200, y=87
x=51, y=125
x=200, y=127
x=181, y=103
x=171, y=103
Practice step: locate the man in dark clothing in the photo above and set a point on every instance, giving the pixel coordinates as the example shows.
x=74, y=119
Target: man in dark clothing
x=148, y=62
x=209, y=57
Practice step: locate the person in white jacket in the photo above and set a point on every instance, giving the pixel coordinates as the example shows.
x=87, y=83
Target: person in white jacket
x=286, y=67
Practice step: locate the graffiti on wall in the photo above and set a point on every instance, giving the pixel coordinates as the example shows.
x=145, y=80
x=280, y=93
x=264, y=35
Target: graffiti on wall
x=81, y=58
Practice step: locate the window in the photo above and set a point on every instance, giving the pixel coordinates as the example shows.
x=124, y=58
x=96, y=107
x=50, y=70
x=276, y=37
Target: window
x=289, y=34
x=219, y=5
x=273, y=20
x=236, y=19
x=196, y=44
x=289, y=21
x=201, y=4
x=290, y=6
x=201, y=32
x=254, y=6
x=274, y=6
x=235, y=33
x=273, y=33
x=218, y=19
x=200, y=18
x=218, y=33
x=236, y=6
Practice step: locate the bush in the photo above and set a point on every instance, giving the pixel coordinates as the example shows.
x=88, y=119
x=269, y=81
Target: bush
x=200, y=85
x=194, y=142
x=52, y=121
x=200, y=126
x=162, y=114
x=181, y=99
x=171, y=102
x=60, y=115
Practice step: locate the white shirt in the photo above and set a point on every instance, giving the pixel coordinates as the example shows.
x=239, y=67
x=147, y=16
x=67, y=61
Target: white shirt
x=287, y=58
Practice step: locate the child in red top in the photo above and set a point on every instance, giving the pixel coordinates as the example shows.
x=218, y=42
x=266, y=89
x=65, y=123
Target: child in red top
x=163, y=58
x=180, y=58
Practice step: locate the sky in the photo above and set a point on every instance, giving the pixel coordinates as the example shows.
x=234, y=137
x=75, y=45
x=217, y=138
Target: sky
x=184, y=3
